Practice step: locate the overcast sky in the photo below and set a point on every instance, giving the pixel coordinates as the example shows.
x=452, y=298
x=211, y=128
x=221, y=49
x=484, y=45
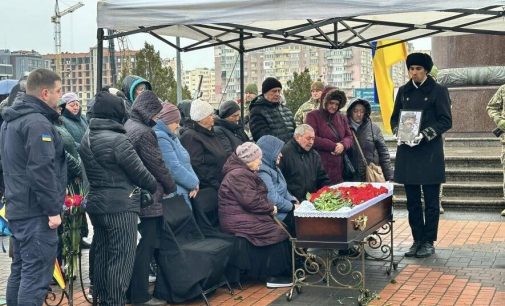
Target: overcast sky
x=26, y=25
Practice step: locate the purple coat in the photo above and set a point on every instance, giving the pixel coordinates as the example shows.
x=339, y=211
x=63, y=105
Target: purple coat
x=244, y=208
x=326, y=140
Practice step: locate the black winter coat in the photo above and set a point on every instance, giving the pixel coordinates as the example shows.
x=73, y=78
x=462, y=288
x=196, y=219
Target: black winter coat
x=33, y=160
x=230, y=134
x=142, y=136
x=302, y=169
x=207, y=154
x=423, y=164
x=372, y=144
x=268, y=118
x=113, y=169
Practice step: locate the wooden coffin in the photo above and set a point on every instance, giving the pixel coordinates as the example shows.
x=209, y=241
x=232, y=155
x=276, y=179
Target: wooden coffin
x=341, y=232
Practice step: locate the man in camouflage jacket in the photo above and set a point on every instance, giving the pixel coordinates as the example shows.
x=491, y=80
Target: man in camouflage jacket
x=496, y=110
x=316, y=89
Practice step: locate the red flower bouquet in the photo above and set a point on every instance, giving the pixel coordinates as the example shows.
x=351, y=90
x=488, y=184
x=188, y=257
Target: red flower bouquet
x=73, y=217
x=361, y=193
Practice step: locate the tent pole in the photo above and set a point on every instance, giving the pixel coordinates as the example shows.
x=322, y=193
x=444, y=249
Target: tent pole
x=241, y=53
x=99, y=59
x=179, y=68
x=335, y=33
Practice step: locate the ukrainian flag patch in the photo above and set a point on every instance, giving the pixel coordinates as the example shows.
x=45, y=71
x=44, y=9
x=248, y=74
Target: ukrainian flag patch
x=46, y=138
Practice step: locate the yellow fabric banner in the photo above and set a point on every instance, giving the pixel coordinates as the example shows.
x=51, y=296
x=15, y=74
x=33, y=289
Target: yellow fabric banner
x=383, y=59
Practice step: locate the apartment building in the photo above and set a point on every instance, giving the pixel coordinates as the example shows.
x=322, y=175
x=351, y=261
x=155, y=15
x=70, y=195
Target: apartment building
x=208, y=83
x=79, y=73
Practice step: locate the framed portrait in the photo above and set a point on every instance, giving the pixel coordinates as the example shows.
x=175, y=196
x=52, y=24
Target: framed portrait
x=410, y=123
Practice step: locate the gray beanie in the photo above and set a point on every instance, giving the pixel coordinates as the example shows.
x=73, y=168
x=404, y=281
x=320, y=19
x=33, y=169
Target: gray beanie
x=248, y=152
x=228, y=108
x=200, y=109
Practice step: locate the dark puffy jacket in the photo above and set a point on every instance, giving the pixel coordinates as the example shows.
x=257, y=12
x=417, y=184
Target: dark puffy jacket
x=76, y=125
x=244, y=208
x=33, y=160
x=302, y=169
x=142, y=136
x=372, y=144
x=207, y=154
x=113, y=169
x=268, y=118
x=128, y=88
x=230, y=134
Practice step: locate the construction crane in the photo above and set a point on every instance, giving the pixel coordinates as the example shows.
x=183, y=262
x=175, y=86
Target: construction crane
x=57, y=30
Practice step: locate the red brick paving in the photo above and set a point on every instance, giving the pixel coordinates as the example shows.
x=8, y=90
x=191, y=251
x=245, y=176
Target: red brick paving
x=414, y=285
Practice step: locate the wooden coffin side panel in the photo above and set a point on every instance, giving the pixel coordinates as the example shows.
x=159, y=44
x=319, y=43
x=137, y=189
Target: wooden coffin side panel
x=342, y=230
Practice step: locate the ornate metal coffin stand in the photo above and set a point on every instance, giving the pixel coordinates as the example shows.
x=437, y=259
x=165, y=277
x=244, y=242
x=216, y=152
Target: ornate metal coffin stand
x=55, y=298
x=330, y=264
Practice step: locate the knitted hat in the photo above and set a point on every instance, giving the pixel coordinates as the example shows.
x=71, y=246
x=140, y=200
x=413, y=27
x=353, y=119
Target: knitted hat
x=69, y=97
x=169, y=113
x=228, y=108
x=270, y=83
x=251, y=88
x=317, y=85
x=108, y=106
x=420, y=59
x=200, y=109
x=248, y=152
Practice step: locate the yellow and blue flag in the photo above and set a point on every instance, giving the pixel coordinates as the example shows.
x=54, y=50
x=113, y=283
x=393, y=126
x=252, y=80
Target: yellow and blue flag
x=383, y=59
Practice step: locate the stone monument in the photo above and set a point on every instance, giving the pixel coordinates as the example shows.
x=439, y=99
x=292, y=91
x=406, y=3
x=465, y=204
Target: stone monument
x=472, y=67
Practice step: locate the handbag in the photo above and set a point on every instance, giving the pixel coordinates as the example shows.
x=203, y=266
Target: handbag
x=146, y=199
x=373, y=172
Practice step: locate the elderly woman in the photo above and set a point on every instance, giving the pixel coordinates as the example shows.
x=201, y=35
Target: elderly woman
x=370, y=140
x=228, y=128
x=245, y=211
x=333, y=135
x=206, y=151
x=72, y=117
x=272, y=176
x=176, y=158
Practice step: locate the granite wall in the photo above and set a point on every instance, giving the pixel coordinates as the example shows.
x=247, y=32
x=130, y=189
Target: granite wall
x=469, y=103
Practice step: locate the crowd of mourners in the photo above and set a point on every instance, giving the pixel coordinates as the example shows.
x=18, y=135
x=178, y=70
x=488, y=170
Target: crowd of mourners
x=138, y=153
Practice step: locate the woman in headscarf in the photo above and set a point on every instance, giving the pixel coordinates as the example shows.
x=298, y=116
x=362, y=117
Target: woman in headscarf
x=333, y=135
x=370, y=140
x=175, y=156
x=271, y=175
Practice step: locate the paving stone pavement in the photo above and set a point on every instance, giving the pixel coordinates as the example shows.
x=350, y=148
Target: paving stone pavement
x=467, y=269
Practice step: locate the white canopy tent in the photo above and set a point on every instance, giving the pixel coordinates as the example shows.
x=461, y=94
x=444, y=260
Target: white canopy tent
x=246, y=25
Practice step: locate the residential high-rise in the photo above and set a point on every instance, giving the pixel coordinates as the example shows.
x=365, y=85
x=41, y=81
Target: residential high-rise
x=78, y=71
x=207, y=89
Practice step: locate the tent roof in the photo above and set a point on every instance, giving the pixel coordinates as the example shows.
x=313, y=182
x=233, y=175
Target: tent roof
x=322, y=23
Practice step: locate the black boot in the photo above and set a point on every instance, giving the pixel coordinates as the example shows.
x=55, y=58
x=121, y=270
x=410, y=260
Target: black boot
x=413, y=249
x=426, y=250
